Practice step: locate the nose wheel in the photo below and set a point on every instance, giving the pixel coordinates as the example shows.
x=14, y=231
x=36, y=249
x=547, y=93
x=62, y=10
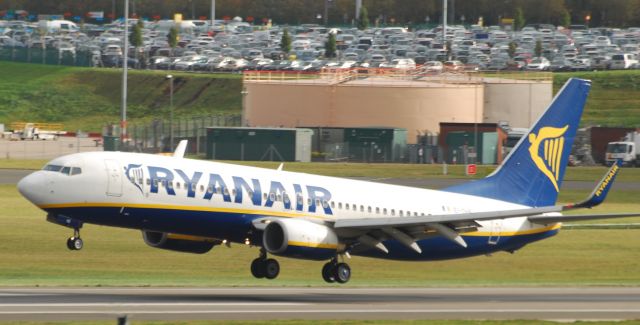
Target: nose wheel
x=75, y=243
x=336, y=272
x=263, y=267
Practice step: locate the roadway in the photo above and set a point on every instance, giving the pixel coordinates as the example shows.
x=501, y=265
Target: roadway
x=170, y=304
x=12, y=176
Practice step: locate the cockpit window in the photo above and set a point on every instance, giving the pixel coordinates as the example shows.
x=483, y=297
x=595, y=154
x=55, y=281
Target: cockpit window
x=63, y=170
x=53, y=168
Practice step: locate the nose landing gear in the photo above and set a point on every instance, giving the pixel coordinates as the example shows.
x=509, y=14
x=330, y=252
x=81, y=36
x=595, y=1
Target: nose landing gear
x=75, y=243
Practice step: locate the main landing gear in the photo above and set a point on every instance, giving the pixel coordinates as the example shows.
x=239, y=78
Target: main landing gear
x=75, y=243
x=336, y=272
x=263, y=267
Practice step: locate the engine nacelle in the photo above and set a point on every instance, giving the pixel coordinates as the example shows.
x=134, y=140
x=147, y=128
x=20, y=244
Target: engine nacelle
x=180, y=243
x=301, y=239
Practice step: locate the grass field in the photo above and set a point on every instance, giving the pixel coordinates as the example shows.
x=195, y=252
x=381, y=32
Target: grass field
x=346, y=322
x=33, y=253
x=87, y=98
x=343, y=322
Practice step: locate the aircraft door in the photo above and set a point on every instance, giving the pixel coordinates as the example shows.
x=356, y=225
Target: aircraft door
x=114, y=177
x=496, y=229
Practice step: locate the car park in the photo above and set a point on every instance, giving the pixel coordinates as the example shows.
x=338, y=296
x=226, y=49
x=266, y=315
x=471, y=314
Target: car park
x=202, y=47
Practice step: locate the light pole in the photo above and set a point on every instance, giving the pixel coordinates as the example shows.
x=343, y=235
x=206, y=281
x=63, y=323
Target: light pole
x=125, y=56
x=213, y=12
x=170, y=78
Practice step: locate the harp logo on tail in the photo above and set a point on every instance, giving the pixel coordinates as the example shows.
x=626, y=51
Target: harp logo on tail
x=546, y=151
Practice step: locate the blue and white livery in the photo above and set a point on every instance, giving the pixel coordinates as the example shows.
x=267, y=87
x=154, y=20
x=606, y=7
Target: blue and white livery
x=192, y=205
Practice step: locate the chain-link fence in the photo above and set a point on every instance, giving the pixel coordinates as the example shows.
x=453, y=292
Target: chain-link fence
x=54, y=56
x=156, y=136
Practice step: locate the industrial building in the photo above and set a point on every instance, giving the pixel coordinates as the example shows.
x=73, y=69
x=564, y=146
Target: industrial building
x=417, y=103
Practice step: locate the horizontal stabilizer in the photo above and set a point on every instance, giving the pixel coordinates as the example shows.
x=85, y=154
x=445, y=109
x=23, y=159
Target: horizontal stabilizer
x=542, y=219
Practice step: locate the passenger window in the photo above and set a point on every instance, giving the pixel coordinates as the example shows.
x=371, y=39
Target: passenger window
x=233, y=192
x=225, y=190
x=325, y=204
x=309, y=202
x=346, y=206
x=210, y=189
x=264, y=196
x=393, y=212
x=178, y=185
x=76, y=171
x=201, y=188
x=333, y=204
x=369, y=209
x=148, y=181
x=286, y=198
x=340, y=205
x=362, y=208
x=400, y=213
x=377, y=210
x=384, y=211
x=272, y=196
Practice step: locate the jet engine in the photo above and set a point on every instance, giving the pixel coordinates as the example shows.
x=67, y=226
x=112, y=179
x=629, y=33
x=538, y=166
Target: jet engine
x=180, y=243
x=300, y=239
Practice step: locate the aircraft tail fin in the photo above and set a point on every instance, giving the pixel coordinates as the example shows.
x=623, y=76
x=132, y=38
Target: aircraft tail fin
x=532, y=173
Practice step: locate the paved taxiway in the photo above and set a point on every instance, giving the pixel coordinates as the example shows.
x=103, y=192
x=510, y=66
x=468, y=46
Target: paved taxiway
x=12, y=176
x=320, y=303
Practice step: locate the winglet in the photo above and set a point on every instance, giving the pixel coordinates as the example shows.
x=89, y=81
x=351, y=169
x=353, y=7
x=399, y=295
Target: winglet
x=600, y=192
x=180, y=149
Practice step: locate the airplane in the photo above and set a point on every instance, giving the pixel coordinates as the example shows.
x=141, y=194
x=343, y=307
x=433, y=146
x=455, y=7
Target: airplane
x=191, y=206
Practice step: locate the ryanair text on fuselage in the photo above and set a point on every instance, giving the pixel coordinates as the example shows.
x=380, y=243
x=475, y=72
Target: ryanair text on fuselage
x=317, y=197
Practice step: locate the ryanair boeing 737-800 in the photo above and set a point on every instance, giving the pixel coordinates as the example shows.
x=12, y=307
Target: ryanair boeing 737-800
x=192, y=205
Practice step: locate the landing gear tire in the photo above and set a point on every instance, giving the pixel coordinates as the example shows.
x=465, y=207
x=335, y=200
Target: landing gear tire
x=257, y=268
x=75, y=243
x=328, y=273
x=342, y=273
x=271, y=268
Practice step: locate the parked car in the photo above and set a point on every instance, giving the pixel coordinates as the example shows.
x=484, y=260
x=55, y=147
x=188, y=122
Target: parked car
x=624, y=61
x=538, y=64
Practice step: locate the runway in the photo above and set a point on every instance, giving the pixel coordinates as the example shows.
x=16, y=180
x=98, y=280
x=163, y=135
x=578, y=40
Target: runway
x=65, y=304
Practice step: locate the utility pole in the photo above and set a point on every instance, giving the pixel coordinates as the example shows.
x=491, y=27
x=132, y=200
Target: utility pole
x=444, y=21
x=358, y=6
x=326, y=12
x=125, y=56
x=213, y=12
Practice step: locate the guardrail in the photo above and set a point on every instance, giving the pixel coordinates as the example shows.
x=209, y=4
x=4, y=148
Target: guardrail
x=341, y=75
x=41, y=126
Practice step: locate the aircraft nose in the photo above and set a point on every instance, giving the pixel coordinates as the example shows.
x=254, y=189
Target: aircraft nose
x=29, y=186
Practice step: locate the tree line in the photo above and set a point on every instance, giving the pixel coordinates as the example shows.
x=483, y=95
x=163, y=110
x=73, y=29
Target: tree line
x=611, y=13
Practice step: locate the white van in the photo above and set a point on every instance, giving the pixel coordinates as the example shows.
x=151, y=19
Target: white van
x=624, y=61
x=56, y=26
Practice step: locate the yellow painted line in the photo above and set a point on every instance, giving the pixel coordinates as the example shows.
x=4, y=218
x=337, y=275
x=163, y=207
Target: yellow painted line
x=312, y=245
x=513, y=233
x=178, y=207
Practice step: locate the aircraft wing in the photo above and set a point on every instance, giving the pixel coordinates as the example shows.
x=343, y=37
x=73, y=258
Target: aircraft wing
x=450, y=225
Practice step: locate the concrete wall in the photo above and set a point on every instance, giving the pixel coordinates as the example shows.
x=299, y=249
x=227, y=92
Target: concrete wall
x=519, y=103
x=416, y=109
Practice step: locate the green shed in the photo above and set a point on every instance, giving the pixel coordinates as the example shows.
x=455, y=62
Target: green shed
x=259, y=144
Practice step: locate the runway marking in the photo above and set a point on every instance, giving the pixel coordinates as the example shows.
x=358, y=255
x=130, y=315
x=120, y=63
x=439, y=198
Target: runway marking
x=322, y=311
x=153, y=304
